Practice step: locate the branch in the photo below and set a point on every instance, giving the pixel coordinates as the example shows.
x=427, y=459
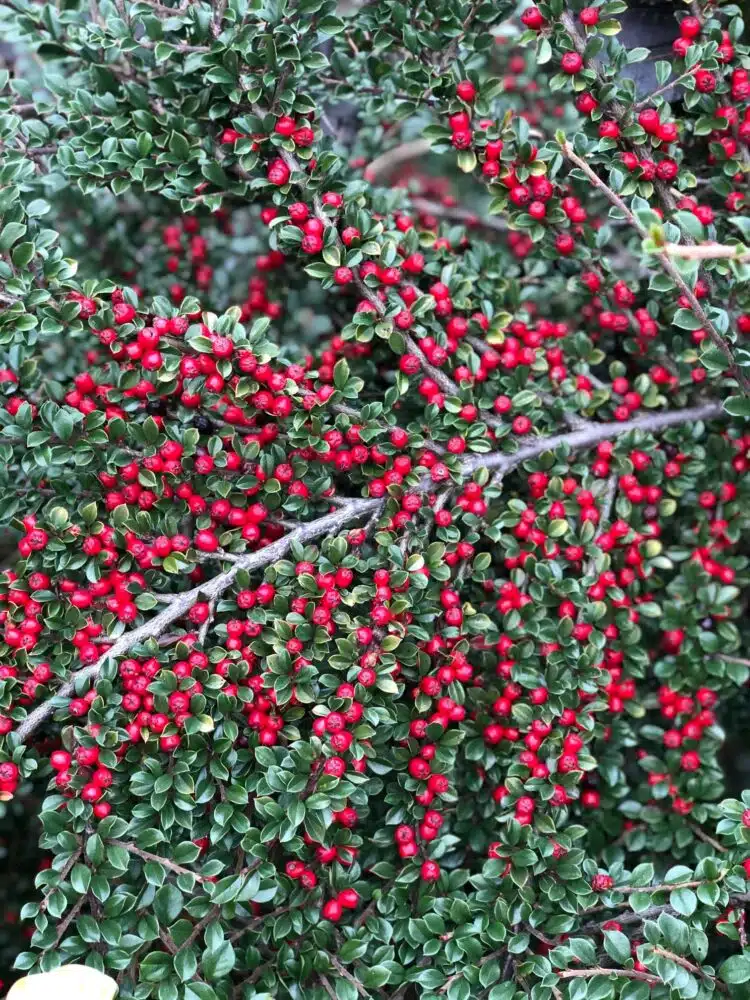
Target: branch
x=588, y=436
x=327, y=986
x=180, y=604
x=402, y=153
x=666, y=886
x=706, y=251
x=631, y=917
x=202, y=635
x=452, y=51
x=645, y=977
x=455, y=213
x=438, y=376
x=667, y=266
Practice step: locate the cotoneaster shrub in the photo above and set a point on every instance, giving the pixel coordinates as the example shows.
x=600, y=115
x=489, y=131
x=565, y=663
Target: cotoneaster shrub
x=377, y=615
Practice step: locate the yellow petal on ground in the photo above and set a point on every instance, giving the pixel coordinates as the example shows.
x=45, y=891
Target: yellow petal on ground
x=68, y=982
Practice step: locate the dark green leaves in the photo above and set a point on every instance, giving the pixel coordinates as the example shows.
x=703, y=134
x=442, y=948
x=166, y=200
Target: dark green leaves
x=217, y=962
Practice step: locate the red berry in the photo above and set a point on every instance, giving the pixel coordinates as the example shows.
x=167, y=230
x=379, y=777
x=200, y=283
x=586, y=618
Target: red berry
x=602, y=883
x=571, y=63
x=466, y=90
x=430, y=871
x=532, y=18
x=332, y=910
x=349, y=898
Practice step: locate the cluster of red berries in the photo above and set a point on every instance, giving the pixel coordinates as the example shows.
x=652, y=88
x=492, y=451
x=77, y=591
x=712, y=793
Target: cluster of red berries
x=97, y=777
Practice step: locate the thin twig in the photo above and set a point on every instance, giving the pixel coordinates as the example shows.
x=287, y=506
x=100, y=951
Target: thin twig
x=203, y=633
x=62, y=876
x=694, y=969
x=327, y=986
x=67, y=921
x=649, y=98
x=706, y=838
x=667, y=266
x=148, y=856
x=345, y=974
x=588, y=437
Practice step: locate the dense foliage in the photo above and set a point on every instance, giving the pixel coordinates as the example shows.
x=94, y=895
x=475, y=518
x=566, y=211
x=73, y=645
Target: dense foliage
x=374, y=429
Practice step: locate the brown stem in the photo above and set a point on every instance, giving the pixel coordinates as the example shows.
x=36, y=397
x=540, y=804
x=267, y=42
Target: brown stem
x=195, y=933
x=663, y=887
x=257, y=921
x=402, y=153
x=327, y=986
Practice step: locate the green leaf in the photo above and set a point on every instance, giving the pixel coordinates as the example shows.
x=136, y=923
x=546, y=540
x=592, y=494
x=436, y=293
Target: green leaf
x=179, y=145
x=80, y=878
x=642, y=874
x=330, y=25
x=684, y=901
x=185, y=964
x=736, y=969
x=168, y=903
x=466, y=160
x=431, y=979
x=617, y=946
x=10, y=233
x=738, y=406
x=341, y=373
x=155, y=967
x=375, y=977
x=543, y=52
x=459, y=989
x=218, y=962
x=23, y=254
x=199, y=991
